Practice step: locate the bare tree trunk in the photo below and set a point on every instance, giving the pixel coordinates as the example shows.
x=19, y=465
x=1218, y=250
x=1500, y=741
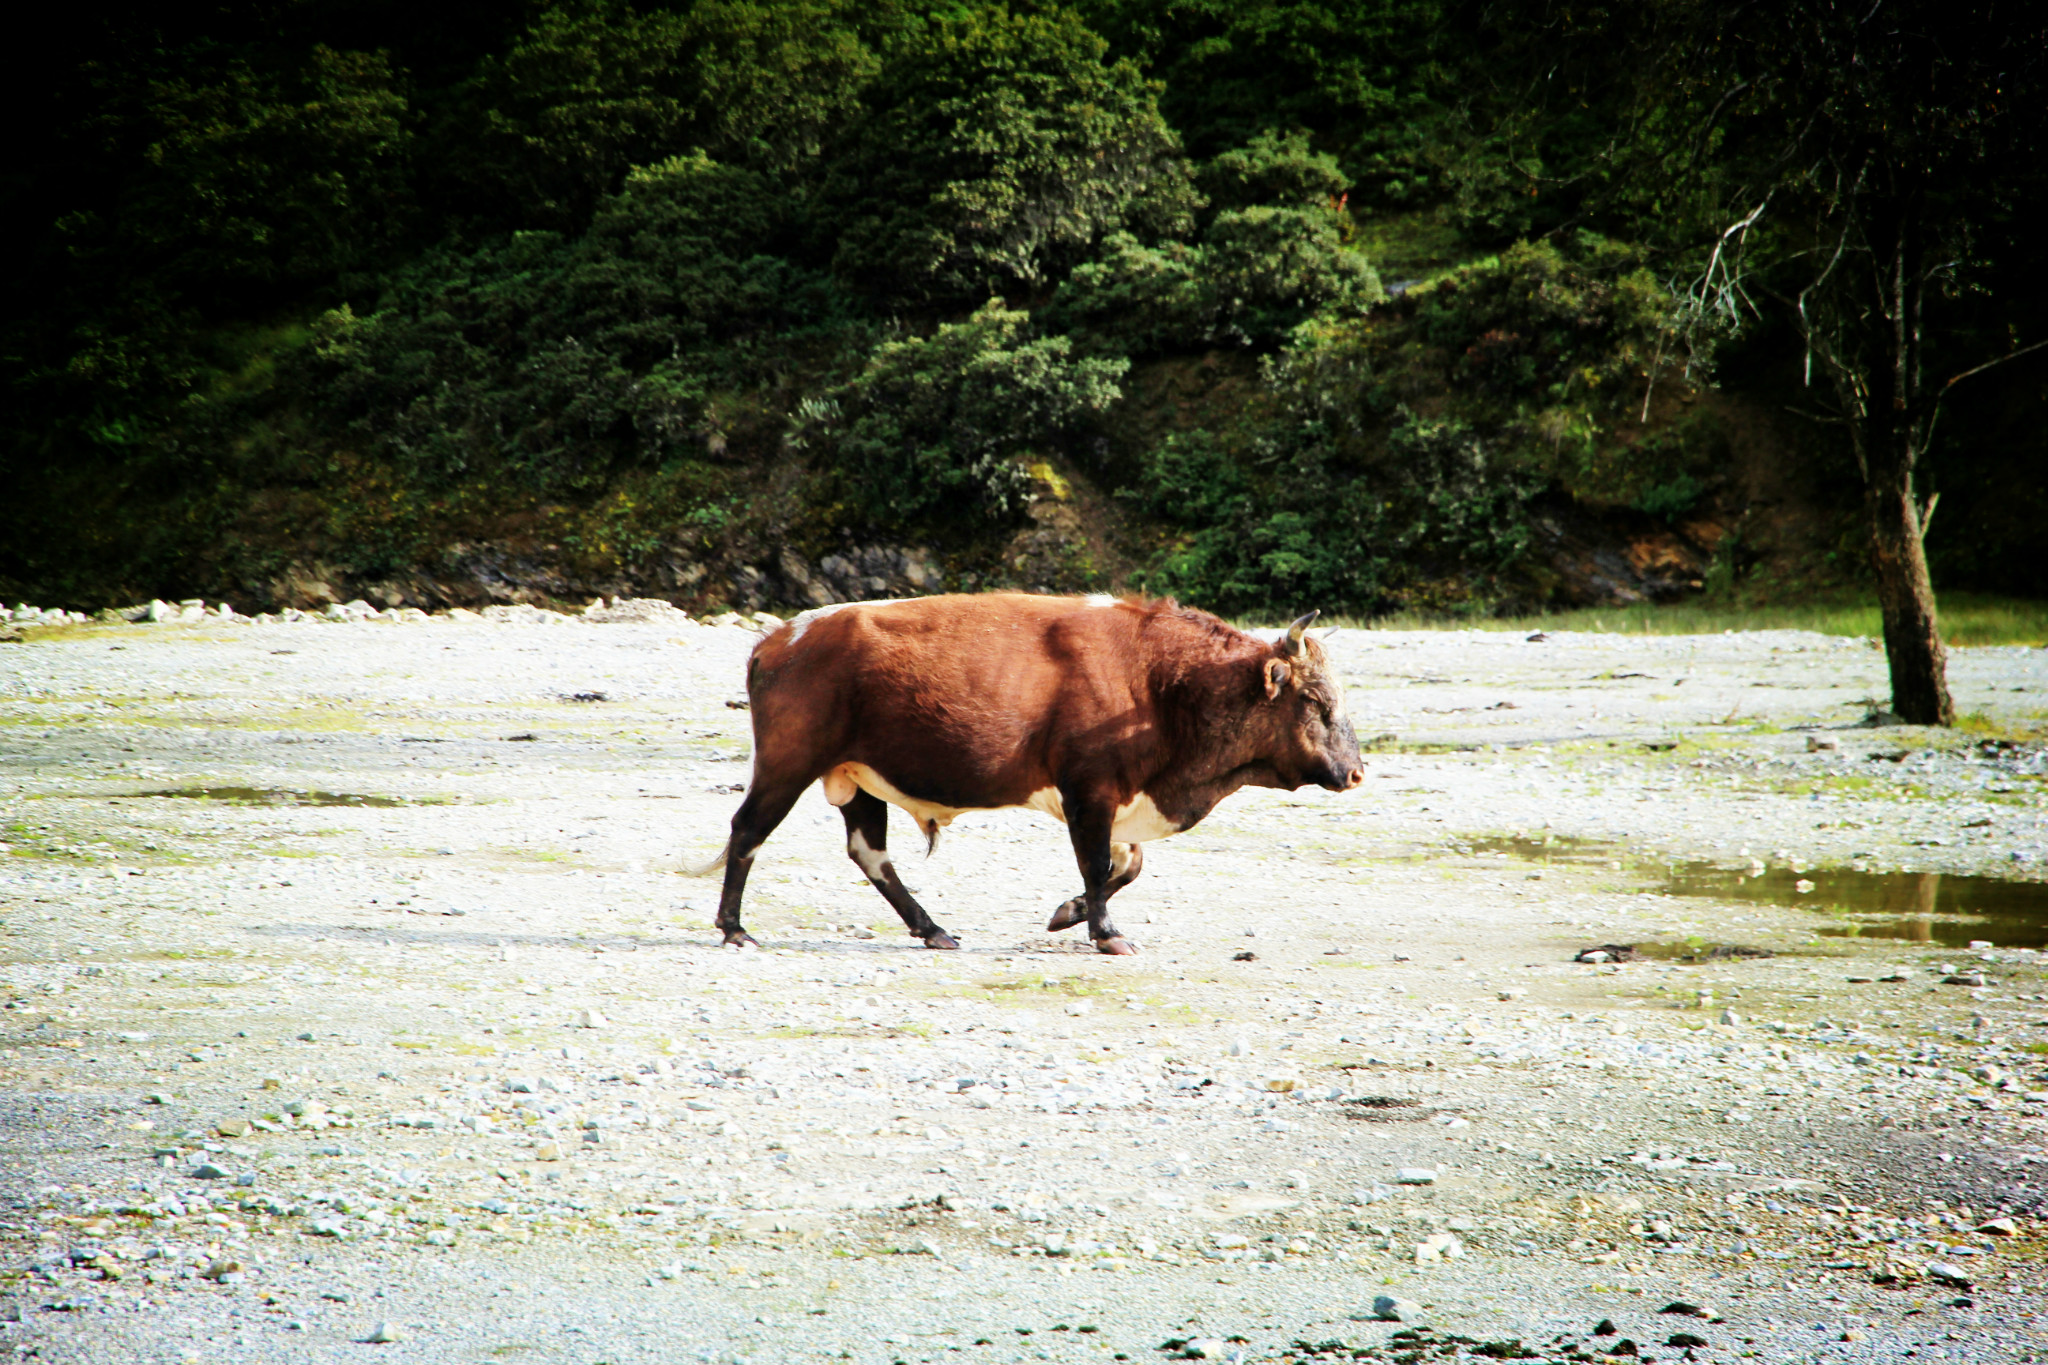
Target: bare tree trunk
x=1905, y=594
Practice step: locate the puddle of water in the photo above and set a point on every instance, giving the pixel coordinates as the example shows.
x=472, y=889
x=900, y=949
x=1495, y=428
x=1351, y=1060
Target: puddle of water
x=272, y=796
x=1920, y=907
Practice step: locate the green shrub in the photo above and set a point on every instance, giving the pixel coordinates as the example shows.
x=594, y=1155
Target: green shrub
x=1271, y=256
x=555, y=363
x=996, y=149
x=932, y=425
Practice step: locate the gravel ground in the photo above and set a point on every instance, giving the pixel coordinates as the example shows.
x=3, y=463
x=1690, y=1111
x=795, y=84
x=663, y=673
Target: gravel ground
x=443, y=1048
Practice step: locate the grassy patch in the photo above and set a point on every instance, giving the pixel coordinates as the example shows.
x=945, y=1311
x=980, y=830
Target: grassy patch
x=1966, y=619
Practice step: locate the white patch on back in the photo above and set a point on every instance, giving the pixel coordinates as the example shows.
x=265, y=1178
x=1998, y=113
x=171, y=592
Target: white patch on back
x=1099, y=599
x=874, y=862
x=800, y=623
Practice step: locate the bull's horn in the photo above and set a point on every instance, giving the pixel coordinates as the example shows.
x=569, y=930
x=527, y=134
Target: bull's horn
x=1296, y=631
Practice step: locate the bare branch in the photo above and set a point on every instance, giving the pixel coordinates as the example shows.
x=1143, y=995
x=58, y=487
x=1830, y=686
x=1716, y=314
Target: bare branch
x=1992, y=364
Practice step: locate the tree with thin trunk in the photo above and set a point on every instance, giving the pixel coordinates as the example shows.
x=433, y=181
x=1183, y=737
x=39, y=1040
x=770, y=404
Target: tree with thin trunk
x=1865, y=164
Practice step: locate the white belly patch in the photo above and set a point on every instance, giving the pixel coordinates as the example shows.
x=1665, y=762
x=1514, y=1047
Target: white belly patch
x=1137, y=820
x=841, y=782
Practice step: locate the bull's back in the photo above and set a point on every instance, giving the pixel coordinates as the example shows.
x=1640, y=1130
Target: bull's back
x=958, y=699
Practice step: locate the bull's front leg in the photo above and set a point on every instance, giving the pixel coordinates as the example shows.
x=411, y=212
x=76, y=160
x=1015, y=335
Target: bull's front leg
x=1125, y=862
x=1088, y=826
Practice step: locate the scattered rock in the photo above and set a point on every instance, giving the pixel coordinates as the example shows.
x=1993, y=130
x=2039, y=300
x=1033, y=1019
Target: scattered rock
x=1246, y=956
x=1387, y=1308
x=1685, y=1339
x=1414, y=1175
x=383, y=1333
x=232, y=1128
x=1205, y=1348
x=1687, y=1310
x=1999, y=1227
x=1941, y=1272
x=1607, y=952
x=1965, y=979
x=206, y=1170
x=591, y=1019
x=218, y=1271
x=1439, y=1246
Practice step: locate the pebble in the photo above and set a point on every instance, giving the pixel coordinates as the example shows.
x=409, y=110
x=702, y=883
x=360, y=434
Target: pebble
x=1955, y=1277
x=1206, y=1348
x=383, y=1333
x=1414, y=1175
x=206, y=1170
x=1439, y=1246
x=1387, y=1308
x=590, y=1019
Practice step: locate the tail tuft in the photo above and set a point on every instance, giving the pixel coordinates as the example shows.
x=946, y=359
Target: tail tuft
x=714, y=865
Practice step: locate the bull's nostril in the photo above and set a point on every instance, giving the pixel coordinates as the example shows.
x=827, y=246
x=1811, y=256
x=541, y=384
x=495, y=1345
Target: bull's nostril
x=1353, y=778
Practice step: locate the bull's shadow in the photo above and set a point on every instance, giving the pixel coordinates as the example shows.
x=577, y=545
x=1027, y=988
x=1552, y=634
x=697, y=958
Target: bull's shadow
x=611, y=943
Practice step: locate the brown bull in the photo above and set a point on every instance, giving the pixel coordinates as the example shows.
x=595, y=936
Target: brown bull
x=1127, y=720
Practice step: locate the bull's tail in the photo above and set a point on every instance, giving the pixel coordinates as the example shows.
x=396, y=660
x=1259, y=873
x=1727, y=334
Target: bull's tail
x=714, y=865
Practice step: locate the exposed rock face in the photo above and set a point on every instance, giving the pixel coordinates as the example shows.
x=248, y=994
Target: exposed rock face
x=1583, y=558
x=854, y=575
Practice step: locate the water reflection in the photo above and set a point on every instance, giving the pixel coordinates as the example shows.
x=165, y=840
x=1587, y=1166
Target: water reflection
x=1919, y=907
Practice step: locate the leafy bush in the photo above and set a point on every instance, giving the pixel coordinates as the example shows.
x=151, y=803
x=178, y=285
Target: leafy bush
x=995, y=150
x=1271, y=257
x=1273, y=168
x=932, y=425
x=590, y=88
x=1315, y=498
x=556, y=362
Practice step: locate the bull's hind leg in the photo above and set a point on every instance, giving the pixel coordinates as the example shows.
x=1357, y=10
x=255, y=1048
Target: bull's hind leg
x=867, y=843
x=756, y=819
x=1125, y=862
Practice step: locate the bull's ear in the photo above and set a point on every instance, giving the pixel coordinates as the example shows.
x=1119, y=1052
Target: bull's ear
x=1276, y=677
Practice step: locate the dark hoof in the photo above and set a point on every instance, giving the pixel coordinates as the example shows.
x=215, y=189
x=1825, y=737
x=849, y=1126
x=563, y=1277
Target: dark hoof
x=941, y=939
x=740, y=938
x=1067, y=916
x=1116, y=947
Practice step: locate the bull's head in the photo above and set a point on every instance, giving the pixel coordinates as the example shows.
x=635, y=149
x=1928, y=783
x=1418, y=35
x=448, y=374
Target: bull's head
x=1316, y=741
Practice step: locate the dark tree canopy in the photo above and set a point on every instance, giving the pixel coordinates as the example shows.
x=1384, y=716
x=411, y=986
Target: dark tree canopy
x=1342, y=300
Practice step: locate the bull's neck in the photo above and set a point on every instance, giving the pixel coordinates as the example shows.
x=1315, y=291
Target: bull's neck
x=1221, y=732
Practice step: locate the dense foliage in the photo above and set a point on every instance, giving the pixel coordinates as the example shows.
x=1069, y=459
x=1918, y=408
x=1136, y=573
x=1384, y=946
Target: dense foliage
x=621, y=281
